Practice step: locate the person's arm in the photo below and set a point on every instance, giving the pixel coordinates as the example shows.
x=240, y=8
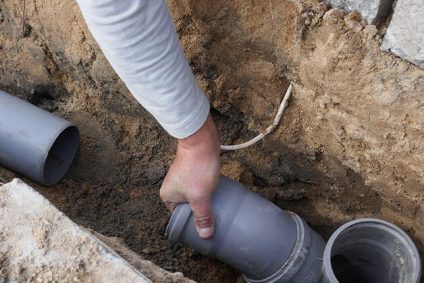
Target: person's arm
x=140, y=42
x=194, y=175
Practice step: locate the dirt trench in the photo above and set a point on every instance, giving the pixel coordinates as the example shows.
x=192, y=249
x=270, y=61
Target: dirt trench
x=350, y=144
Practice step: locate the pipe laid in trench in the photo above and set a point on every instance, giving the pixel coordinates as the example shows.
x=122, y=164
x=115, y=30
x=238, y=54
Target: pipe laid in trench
x=35, y=142
x=268, y=244
x=254, y=236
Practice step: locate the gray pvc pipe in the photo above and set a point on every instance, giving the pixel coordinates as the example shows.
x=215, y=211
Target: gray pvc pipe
x=371, y=251
x=35, y=142
x=254, y=236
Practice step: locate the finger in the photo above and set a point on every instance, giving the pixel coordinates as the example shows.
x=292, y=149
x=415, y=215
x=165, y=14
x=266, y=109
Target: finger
x=170, y=205
x=203, y=217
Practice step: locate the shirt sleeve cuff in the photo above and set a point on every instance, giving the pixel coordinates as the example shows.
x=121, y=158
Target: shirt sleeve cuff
x=193, y=122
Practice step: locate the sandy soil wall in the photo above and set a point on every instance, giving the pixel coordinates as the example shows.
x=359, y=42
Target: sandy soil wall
x=350, y=144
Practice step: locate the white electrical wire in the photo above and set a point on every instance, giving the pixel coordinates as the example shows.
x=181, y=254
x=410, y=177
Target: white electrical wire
x=268, y=130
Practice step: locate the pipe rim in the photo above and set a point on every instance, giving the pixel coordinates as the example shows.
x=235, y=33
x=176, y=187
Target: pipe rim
x=327, y=266
x=46, y=175
x=177, y=222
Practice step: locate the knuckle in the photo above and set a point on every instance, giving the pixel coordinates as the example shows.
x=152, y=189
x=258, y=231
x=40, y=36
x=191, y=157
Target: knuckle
x=203, y=221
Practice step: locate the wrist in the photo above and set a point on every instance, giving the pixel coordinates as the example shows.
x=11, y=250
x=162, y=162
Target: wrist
x=203, y=141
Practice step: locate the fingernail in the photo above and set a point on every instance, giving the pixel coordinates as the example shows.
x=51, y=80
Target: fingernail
x=205, y=232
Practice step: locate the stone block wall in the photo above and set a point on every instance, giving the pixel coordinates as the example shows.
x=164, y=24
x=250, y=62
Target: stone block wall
x=372, y=10
x=405, y=34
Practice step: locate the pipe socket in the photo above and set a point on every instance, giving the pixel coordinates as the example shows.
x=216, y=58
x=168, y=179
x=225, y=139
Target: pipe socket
x=371, y=251
x=254, y=236
x=35, y=142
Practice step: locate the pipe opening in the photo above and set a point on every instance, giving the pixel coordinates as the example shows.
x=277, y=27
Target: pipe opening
x=370, y=265
x=372, y=252
x=61, y=155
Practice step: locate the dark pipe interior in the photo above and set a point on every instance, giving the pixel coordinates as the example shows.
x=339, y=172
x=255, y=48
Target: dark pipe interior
x=61, y=155
x=361, y=269
x=365, y=261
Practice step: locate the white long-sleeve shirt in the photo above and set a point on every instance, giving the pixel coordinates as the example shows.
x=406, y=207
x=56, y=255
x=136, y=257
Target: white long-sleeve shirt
x=140, y=42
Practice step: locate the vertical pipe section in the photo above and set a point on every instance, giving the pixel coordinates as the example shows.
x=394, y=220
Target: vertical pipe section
x=371, y=251
x=35, y=142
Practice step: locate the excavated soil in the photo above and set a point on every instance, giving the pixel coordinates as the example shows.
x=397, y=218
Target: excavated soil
x=350, y=144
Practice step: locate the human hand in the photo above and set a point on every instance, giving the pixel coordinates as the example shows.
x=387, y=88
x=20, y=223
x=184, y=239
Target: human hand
x=194, y=175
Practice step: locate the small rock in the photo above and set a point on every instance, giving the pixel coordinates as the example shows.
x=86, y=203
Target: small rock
x=353, y=25
x=146, y=251
x=370, y=31
x=332, y=15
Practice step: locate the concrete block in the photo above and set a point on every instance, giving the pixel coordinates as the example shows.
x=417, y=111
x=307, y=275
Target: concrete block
x=373, y=11
x=38, y=243
x=405, y=34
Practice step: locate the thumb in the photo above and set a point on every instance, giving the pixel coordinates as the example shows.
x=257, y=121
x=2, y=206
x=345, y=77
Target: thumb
x=203, y=217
